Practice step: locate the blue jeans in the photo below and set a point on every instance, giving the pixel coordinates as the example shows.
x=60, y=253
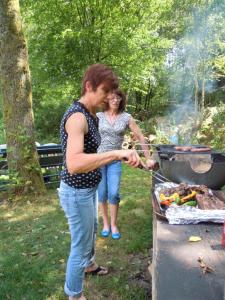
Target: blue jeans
x=80, y=207
x=109, y=187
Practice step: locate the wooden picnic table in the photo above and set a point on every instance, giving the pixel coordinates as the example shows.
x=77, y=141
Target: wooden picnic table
x=176, y=272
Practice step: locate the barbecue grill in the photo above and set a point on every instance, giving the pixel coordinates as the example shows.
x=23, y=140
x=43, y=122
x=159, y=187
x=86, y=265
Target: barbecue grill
x=177, y=166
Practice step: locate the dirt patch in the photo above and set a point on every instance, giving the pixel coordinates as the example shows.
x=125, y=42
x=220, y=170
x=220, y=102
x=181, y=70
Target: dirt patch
x=141, y=277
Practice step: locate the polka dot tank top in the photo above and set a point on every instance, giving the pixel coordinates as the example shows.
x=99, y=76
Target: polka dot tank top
x=91, y=143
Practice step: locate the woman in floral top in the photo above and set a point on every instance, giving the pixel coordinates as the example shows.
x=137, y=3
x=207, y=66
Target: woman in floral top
x=113, y=122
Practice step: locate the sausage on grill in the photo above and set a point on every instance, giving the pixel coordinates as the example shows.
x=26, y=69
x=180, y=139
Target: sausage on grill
x=182, y=148
x=192, y=149
x=206, y=149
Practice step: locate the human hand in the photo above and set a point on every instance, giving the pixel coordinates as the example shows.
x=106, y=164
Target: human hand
x=130, y=157
x=151, y=164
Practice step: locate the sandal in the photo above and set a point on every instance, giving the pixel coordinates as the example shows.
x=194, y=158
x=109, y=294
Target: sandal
x=105, y=233
x=116, y=236
x=99, y=271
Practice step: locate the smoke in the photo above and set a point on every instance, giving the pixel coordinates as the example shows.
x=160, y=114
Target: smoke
x=190, y=67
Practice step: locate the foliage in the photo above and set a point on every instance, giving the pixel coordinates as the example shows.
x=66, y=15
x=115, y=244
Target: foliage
x=67, y=36
x=2, y=135
x=35, y=244
x=212, y=131
x=197, y=58
x=166, y=53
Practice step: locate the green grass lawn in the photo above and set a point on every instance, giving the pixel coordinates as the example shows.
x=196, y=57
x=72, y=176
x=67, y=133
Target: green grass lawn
x=35, y=243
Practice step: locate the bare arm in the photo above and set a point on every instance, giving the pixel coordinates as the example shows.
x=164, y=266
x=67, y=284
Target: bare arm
x=150, y=163
x=79, y=162
x=138, y=135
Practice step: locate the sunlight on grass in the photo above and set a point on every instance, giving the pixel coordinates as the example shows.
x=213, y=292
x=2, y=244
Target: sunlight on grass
x=26, y=215
x=138, y=212
x=100, y=242
x=35, y=243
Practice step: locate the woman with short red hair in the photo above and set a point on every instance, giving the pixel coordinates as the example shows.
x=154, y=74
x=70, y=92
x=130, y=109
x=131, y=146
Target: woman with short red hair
x=81, y=175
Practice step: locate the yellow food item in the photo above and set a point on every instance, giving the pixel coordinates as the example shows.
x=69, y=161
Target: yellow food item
x=172, y=198
x=194, y=238
x=188, y=197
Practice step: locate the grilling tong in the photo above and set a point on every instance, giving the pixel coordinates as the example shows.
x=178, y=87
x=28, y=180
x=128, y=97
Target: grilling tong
x=199, y=162
x=154, y=172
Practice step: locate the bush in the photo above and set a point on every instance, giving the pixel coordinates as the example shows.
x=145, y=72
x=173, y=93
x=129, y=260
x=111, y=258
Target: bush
x=212, y=131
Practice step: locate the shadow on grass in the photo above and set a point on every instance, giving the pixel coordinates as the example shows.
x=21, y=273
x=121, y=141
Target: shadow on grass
x=35, y=244
x=32, y=253
x=34, y=248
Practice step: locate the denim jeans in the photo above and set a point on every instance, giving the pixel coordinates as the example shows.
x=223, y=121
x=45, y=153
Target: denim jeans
x=80, y=207
x=109, y=187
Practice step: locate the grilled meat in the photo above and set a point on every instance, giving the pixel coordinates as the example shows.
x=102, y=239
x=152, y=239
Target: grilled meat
x=192, y=149
x=206, y=149
x=182, y=148
x=209, y=202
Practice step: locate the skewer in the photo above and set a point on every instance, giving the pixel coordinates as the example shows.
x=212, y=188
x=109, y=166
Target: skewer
x=174, y=151
x=159, y=179
x=143, y=144
x=139, y=150
x=147, y=144
x=160, y=175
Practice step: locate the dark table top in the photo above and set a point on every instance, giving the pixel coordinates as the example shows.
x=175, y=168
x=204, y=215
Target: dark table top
x=177, y=274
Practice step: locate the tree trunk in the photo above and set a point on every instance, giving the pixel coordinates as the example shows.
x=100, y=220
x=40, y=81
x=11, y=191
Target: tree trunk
x=203, y=95
x=148, y=95
x=22, y=156
x=196, y=89
x=137, y=101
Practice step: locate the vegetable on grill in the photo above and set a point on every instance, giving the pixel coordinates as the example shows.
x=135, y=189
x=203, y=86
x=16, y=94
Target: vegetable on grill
x=188, y=197
x=167, y=200
x=191, y=203
x=176, y=198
